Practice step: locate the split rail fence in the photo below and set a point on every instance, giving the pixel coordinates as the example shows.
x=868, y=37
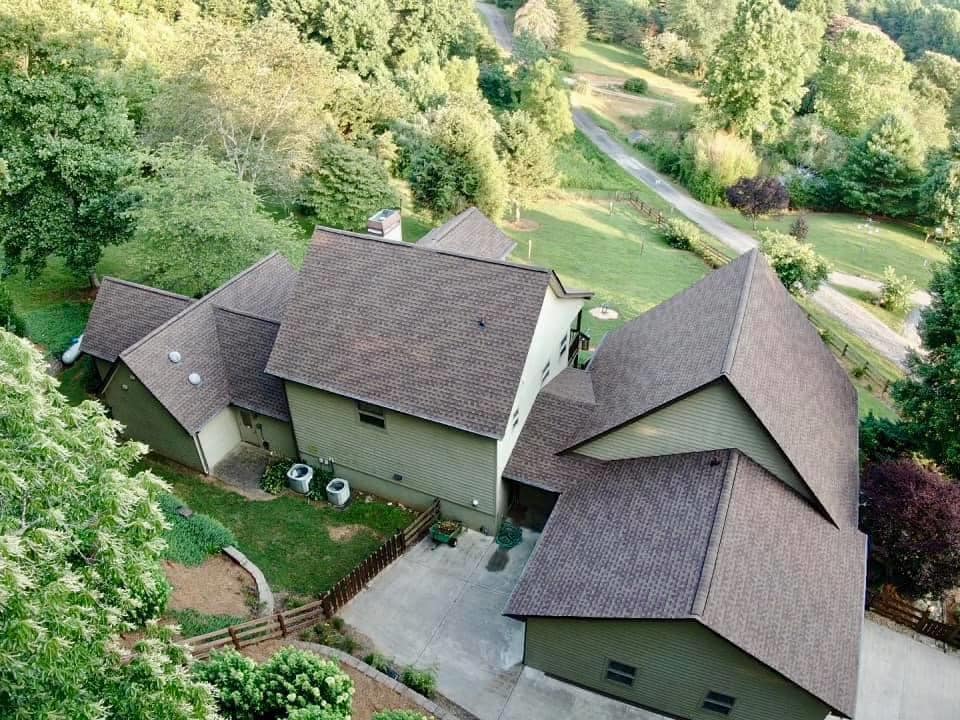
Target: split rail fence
x=291, y=622
x=891, y=606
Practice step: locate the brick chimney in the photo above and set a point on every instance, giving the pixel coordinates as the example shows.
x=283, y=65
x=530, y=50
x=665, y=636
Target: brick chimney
x=386, y=224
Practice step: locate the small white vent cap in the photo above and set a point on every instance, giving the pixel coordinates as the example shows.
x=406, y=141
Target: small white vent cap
x=175, y=357
x=194, y=378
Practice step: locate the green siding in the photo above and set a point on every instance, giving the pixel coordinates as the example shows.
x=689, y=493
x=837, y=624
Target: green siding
x=677, y=662
x=146, y=420
x=713, y=418
x=218, y=437
x=103, y=368
x=434, y=460
x=279, y=434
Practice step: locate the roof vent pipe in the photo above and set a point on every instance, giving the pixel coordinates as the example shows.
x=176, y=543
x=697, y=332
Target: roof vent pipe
x=194, y=378
x=174, y=357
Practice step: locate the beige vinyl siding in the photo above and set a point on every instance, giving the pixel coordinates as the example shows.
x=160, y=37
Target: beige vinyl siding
x=713, y=418
x=677, y=663
x=434, y=460
x=218, y=437
x=146, y=420
x=556, y=317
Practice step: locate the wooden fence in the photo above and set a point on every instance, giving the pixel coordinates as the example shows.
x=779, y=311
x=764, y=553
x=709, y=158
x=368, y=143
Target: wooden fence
x=716, y=259
x=290, y=622
x=890, y=605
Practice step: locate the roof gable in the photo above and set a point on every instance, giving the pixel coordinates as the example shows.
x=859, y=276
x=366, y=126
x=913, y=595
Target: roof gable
x=123, y=313
x=261, y=289
x=470, y=233
x=740, y=323
x=431, y=334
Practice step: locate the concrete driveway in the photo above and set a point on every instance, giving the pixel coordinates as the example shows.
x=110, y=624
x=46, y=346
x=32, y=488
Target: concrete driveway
x=904, y=679
x=440, y=607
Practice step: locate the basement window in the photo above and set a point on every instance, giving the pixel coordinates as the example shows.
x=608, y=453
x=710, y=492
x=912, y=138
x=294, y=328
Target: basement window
x=621, y=673
x=371, y=414
x=719, y=703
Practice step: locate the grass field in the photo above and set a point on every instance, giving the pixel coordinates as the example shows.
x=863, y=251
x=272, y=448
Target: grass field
x=287, y=537
x=856, y=246
x=618, y=255
x=892, y=320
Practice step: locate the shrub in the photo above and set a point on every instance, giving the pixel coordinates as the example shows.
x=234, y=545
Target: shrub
x=680, y=234
x=274, y=478
x=421, y=681
x=378, y=662
x=816, y=192
x=565, y=64
x=800, y=228
x=237, y=682
x=399, y=715
x=912, y=515
x=722, y=156
x=8, y=316
x=797, y=265
x=193, y=623
x=191, y=540
x=152, y=596
x=315, y=712
x=895, y=291
x=293, y=679
x=882, y=439
x=637, y=86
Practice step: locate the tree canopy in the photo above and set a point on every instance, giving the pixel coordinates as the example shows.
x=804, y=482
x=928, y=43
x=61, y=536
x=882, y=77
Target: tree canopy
x=80, y=536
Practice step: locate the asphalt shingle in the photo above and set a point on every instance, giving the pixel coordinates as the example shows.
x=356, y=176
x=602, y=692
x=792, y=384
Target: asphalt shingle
x=470, y=233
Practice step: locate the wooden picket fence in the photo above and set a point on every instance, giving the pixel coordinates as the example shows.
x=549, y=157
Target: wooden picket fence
x=890, y=605
x=291, y=622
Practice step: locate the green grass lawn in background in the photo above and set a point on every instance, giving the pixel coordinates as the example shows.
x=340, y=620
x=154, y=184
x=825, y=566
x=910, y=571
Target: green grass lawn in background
x=619, y=256
x=287, y=537
x=856, y=246
x=583, y=167
x=892, y=320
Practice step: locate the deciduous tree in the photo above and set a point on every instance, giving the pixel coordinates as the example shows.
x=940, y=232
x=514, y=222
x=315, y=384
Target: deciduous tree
x=197, y=223
x=535, y=18
x=547, y=102
x=912, y=516
x=67, y=145
x=80, y=530
x=758, y=196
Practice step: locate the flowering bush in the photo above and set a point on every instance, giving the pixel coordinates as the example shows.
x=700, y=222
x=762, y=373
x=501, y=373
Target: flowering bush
x=399, y=715
x=236, y=679
x=294, y=679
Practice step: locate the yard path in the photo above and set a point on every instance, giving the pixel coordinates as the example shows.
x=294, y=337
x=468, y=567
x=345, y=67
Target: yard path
x=890, y=344
x=497, y=22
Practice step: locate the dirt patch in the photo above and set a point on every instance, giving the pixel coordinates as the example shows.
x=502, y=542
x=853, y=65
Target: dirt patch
x=524, y=225
x=218, y=587
x=342, y=533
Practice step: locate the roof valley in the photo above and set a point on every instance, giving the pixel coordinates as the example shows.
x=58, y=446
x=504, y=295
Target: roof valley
x=716, y=535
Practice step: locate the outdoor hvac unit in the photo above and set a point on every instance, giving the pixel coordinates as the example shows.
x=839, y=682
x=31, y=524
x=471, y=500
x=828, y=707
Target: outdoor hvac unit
x=338, y=492
x=299, y=477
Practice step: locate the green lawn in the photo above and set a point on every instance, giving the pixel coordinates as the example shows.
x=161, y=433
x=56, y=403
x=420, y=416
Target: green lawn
x=287, y=537
x=618, y=255
x=583, y=167
x=845, y=241
x=598, y=58
x=870, y=403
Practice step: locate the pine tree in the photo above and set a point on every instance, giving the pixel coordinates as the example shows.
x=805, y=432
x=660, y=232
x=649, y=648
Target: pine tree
x=571, y=25
x=883, y=170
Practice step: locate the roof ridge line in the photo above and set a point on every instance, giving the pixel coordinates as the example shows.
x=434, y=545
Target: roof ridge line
x=141, y=286
x=716, y=535
x=430, y=248
x=741, y=312
x=199, y=302
x=454, y=222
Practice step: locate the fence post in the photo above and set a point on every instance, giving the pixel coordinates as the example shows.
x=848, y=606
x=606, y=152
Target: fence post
x=283, y=625
x=844, y=352
x=233, y=636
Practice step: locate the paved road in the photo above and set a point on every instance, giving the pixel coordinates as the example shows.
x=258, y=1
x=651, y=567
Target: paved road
x=497, y=23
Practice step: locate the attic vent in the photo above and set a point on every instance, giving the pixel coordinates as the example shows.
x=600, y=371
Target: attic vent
x=482, y=323
x=195, y=379
x=174, y=357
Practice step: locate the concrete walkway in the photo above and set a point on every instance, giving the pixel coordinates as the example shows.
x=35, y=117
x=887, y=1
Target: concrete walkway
x=440, y=607
x=242, y=469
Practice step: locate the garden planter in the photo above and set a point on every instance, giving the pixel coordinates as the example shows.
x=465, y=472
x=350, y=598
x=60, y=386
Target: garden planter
x=446, y=531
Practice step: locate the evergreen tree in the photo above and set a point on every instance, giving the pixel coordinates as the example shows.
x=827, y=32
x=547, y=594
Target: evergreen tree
x=939, y=196
x=527, y=155
x=571, y=25
x=755, y=80
x=928, y=399
x=536, y=19
x=883, y=170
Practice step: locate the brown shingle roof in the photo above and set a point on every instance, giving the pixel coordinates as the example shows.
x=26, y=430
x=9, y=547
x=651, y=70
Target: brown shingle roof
x=260, y=290
x=470, y=233
x=738, y=322
x=423, y=332
x=123, y=313
x=715, y=537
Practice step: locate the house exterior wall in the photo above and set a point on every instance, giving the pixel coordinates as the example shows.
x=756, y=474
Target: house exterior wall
x=713, y=418
x=146, y=420
x=556, y=318
x=677, y=663
x=219, y=436
x=277, y=433
x=103, y=368
x=434, y=460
